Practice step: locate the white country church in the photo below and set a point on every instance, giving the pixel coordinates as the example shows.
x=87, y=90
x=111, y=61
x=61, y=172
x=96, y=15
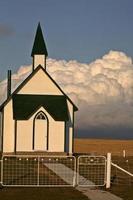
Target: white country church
x=38, y=116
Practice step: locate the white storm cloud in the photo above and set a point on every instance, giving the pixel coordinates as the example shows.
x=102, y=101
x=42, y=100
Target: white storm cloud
x=102, y=90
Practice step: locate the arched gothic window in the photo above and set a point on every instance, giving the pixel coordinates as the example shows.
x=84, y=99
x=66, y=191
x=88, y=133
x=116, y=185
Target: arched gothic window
x=40, y=116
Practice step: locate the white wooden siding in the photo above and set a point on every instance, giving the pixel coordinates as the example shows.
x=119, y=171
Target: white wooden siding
x=25, y=134
x=40, y=83
x=9, y=124
x=39, y=60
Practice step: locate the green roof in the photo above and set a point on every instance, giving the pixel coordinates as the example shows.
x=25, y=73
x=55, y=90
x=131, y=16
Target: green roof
x=39, y=47
x=24, y=106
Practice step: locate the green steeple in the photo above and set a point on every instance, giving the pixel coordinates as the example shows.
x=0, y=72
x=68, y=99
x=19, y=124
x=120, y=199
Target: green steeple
x=39, y=47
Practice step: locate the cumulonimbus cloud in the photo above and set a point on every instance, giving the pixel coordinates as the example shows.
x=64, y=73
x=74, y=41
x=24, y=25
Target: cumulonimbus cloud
x=103, y=89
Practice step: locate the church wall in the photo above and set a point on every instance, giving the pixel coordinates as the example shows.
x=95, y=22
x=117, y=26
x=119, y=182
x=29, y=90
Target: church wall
x=56, y=136
x=8, y=129
x=25, y=134
x=40, y=83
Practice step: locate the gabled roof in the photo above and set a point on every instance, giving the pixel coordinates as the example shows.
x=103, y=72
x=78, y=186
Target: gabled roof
x=24, y=106
x=27, y=79
x=39, y=46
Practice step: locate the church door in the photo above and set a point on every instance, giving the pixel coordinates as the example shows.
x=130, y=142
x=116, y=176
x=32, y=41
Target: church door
x=40, y=132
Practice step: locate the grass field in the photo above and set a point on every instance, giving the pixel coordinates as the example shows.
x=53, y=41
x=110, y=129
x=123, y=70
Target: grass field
x=103, y=146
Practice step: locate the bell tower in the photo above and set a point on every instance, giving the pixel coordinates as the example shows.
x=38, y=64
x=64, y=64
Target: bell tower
x=39, y=51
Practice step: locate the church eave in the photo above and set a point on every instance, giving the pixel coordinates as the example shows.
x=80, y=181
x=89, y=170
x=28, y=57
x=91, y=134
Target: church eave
x=25, y=105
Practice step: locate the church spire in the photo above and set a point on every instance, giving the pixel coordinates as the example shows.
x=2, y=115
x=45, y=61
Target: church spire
x=39, y=50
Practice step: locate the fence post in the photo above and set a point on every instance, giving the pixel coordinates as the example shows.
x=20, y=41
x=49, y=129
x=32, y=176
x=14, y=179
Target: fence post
x=108, y=180
x=75, y=172
x=124, y=153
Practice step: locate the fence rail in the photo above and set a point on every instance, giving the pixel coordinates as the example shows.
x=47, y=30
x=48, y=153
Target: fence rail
x=123, y=170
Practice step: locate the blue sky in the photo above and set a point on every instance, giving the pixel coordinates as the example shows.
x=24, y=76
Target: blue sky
x=74, y=29
x=81, y=30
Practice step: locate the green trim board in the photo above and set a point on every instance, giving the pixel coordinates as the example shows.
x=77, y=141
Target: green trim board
x=24, y=106
x=28, y=78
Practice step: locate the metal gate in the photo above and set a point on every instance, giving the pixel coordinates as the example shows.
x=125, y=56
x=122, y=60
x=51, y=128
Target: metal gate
x=91, y=171
x=53, y=171
x=38, y=171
